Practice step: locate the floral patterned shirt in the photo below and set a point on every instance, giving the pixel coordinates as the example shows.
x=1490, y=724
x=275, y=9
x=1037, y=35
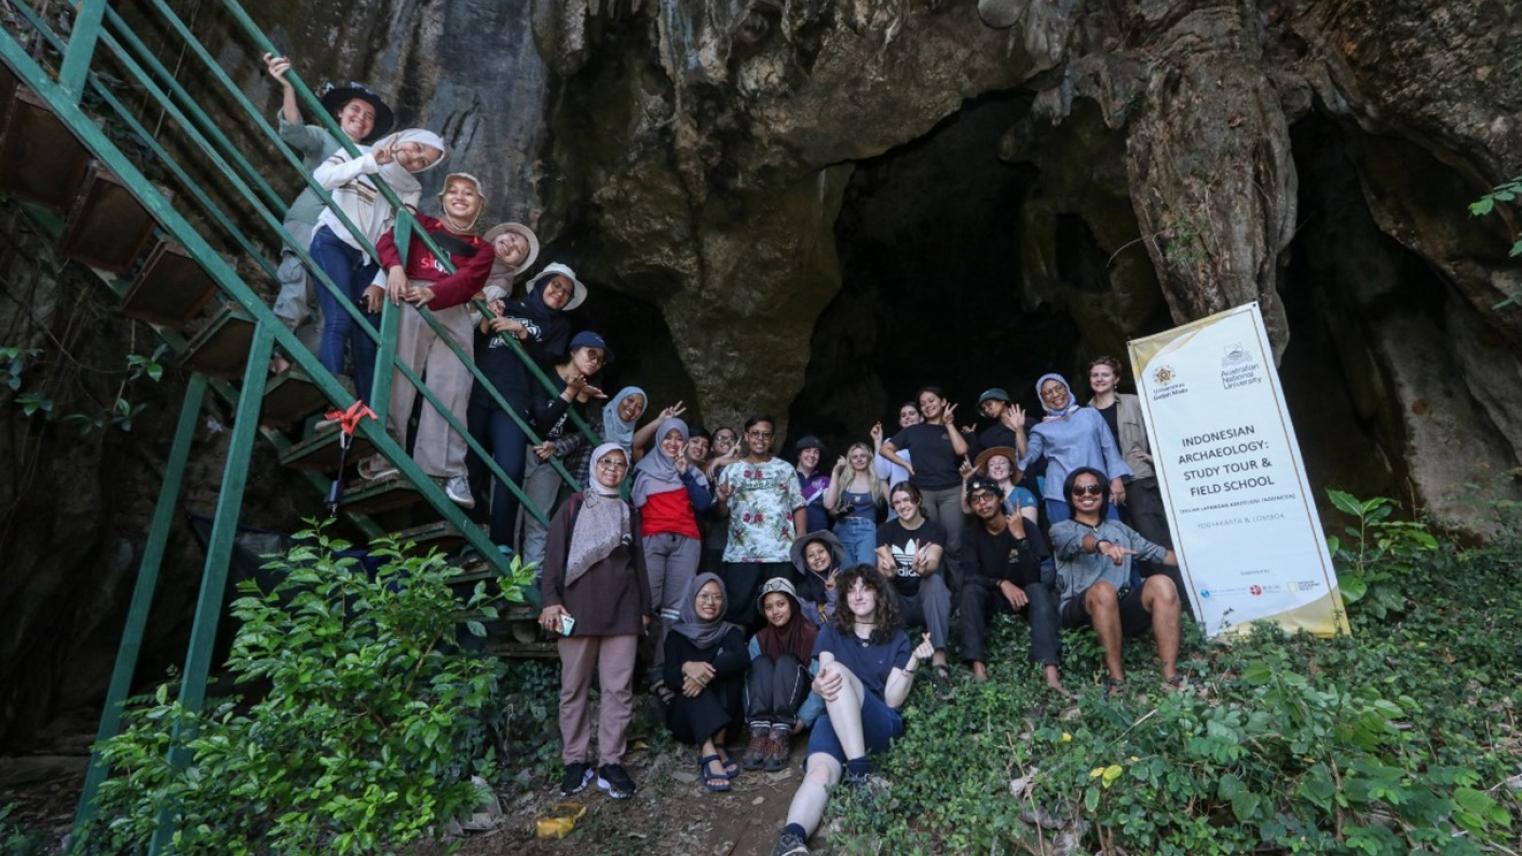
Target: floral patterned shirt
x=761, y=510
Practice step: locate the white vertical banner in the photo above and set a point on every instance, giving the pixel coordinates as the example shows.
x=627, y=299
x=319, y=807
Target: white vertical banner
x=1243, y=515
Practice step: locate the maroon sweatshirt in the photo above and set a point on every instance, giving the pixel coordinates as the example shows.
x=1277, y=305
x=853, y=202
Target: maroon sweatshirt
x=449, y=289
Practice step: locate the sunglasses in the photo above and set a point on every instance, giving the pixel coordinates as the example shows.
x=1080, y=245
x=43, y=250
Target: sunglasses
x=1089, y=489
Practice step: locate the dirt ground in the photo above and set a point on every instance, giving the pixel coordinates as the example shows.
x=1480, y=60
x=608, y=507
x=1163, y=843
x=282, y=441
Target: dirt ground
x=670, y=814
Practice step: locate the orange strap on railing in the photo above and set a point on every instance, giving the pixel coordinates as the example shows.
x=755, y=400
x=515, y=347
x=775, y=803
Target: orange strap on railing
x=348, y=420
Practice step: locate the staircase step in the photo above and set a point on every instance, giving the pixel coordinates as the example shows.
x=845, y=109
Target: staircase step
x=439, y=534
x=40, y=159
x=107, y=227
x=221, y=348
x=320, y=452
x=290, y=397
x=378, y=497
x=170, y=290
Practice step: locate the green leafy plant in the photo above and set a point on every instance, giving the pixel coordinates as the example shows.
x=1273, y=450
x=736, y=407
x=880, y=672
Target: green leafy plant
x=1378, y=554
x=371, y=722
x=147, y=365
x=1395, y=740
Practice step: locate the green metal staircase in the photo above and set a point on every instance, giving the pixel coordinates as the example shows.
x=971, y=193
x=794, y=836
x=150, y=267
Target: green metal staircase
x=179, y=262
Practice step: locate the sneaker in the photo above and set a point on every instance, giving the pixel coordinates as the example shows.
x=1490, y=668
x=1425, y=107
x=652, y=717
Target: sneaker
x=376, y=467
x=776, y=759
x=758, y=749
x=576, y=779
x=457, y=488
x=789, y=844
x=615, y=780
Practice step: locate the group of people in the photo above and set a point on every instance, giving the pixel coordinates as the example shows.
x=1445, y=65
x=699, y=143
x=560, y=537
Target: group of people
x=779, y=594
x=776, y=594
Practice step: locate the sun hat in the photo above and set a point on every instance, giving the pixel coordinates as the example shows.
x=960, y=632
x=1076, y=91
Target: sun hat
x=335, y=96
x=980, y=463
x=501, y=275
x=578, y=290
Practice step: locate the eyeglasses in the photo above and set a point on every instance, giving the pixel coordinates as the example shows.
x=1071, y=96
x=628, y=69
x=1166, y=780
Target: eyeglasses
x=612, y=466
x=984, y=497
x=759, y=435
x=1089, y=489
x=710, y=598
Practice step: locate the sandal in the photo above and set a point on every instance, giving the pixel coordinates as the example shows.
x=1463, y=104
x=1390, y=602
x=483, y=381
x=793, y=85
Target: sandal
x=714, y=783
x=1113, y=687
x=731, y=768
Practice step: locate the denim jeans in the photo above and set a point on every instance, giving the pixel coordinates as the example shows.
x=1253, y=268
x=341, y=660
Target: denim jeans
x=349, y=271
x=858, y=536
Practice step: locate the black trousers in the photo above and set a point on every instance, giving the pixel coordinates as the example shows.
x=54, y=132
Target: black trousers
x=982, y=600
x=742, y=582
x=775, y=690
x=693, y=720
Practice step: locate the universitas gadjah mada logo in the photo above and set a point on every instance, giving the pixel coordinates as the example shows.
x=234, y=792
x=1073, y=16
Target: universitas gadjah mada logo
x=1164, y=374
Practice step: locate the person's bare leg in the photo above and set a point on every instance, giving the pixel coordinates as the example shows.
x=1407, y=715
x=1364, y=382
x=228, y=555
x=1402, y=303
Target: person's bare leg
x=714, y=769
x=845, y=714
x=1160, y=597
x=1054, y=678
x=979, y=671
x=1104, y=614
x=808, y=801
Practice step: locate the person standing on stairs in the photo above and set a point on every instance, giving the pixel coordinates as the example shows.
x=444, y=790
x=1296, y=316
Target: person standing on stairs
x=363, y=117
x=597, y=600
x=540, y=325
x=438, y=450
x=341, y=254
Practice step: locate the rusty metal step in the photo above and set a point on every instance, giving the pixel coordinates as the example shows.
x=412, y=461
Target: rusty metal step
x=40, y=159
x=320, y=452
x=378, y=497
x=170, y=289
x=106, y=228
x=220, y=349
x=290, y=397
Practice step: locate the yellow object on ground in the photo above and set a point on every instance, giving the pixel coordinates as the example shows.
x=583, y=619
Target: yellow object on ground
x=561, y=821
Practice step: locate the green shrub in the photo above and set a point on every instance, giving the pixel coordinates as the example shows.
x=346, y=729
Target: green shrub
x=369, y=726
x=1395, y=740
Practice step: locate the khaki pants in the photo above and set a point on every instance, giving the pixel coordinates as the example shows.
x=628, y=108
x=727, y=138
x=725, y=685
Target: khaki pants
x=614, y=658
x=439, y=451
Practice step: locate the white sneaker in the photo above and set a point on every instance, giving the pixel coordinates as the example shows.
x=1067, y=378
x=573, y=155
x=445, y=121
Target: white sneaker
x=457, y=488
x=376, y=467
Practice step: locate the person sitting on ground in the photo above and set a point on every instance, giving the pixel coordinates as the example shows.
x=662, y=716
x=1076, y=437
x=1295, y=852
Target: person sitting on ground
x=344, y=256
x=888, y=472
x=760, y=496
x=778, y=684
x=938, y=447
x=855, y=496
x=818, y=558
x=1094, y=580
x=1069, y=437
x=438, y=450
x=362, y=117
x=1004, y=575
x=596, y=599
x=998, y=463
x=813, y=482
x=706, y=660
x=866, y=669
x=670, y=493
x=909, y=552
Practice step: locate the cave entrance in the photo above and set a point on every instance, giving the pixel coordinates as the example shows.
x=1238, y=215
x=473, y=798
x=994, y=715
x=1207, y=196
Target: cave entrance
x=931, y=247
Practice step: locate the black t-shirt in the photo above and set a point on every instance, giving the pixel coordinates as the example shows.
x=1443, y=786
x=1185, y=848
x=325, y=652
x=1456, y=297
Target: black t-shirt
x=994, y=436
x=935, y=462
x=998, y=557
x=904, y=543
x=1112, y=419
x=545, y=345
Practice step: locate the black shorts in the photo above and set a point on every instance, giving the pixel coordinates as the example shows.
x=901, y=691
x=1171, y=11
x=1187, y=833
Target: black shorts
x=1134, y=618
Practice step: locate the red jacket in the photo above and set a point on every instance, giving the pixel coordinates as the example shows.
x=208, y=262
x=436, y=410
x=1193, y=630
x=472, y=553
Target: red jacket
x=448, y=289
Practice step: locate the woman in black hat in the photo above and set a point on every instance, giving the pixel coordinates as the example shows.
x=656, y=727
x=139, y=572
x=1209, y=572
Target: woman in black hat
x=363, y=117
x=812, y=481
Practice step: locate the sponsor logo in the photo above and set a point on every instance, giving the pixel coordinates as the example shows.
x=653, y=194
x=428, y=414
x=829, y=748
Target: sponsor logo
x=1164, y=374
x=1255, y=591
x=1235, y=354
